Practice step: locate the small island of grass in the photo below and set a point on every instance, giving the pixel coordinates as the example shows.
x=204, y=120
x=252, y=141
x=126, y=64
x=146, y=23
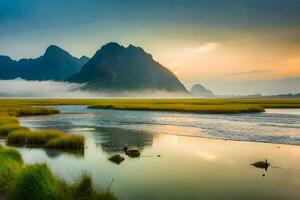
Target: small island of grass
x=17, y=135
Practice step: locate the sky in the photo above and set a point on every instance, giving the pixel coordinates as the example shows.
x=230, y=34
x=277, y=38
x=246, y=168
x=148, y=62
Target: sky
x=231, y=47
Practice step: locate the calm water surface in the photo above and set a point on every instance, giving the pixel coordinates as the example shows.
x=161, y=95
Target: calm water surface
x=189, y=167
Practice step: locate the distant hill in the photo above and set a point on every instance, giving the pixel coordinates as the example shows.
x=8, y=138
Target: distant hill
x=8, y=68
x=200, y=91
x=55, y=64
x=116, y=68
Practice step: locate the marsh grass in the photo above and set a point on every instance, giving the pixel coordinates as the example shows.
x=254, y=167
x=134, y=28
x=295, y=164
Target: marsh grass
x=37, y=182
x=67, y=142
x=5, y=129
x=6, y=119
x=10, y=165
x=46, y=138
x=9, y=169
x=215, y=109
x=30, y=111
x=83, y=189
x=21, y=136
x=32, y=138
x=10, y=153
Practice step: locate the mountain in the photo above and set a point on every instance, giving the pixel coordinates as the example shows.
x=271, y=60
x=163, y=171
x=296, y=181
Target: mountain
x=116, y=68
x=200, y=91
x=8, y=68
x=55, y=64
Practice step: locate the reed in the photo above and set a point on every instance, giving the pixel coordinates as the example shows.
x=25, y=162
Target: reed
x=46, y=138
x=67, y=142
x=5, y=129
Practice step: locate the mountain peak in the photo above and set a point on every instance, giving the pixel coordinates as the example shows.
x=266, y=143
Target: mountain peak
x=111, y=46
x=55, y=50
x=116, y=68
x=5, y=59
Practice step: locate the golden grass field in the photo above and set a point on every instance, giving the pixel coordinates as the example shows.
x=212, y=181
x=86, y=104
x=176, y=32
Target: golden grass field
x=24, y=106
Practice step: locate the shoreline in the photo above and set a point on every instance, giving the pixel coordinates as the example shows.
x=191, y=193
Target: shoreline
x=164, y=133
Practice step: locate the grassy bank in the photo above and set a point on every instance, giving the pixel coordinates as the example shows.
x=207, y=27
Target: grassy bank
x=214, y=106
x=184, y=105
x=230, y=109
x=36, y=182
x=15, y=134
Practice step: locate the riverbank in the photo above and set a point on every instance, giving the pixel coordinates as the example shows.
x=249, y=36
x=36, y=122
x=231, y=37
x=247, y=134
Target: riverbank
x=215, y=106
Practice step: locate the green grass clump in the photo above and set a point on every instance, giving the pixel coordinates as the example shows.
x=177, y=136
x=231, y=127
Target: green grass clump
x=10, y=153
x=9, y=169
x=6, y=119
x=30, y=111
x=46, y=138
x=5, y=129
x=32, y=138
x=67, y=142
x=35, y=182
x=84, y=189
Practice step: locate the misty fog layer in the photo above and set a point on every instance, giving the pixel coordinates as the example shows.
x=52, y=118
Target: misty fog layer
x=20, y=88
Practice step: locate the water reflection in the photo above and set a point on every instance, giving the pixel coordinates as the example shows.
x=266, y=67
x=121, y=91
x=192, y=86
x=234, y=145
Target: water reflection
x=113, y=140
x=54, y=153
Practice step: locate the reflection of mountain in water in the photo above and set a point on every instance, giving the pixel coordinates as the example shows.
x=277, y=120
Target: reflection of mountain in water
x=54, y=153
x=113, y=140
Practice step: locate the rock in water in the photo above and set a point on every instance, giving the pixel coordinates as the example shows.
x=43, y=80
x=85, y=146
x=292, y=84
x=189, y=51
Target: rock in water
x=134, y=153
x=116, y=159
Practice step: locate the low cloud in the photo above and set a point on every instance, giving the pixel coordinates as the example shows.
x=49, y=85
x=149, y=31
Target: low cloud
x=206, y=47
x=20, y=88
x=250, y=72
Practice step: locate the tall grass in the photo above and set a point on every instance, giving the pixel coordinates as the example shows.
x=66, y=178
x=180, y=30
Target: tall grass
x=29, y=111
x=10, y=165
x=5, y=129
x=46, y=138
x=6, y=119
x=36, y=182
x=32, y=138
x=67, y=142
x=9, y=170
x=10, y=153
